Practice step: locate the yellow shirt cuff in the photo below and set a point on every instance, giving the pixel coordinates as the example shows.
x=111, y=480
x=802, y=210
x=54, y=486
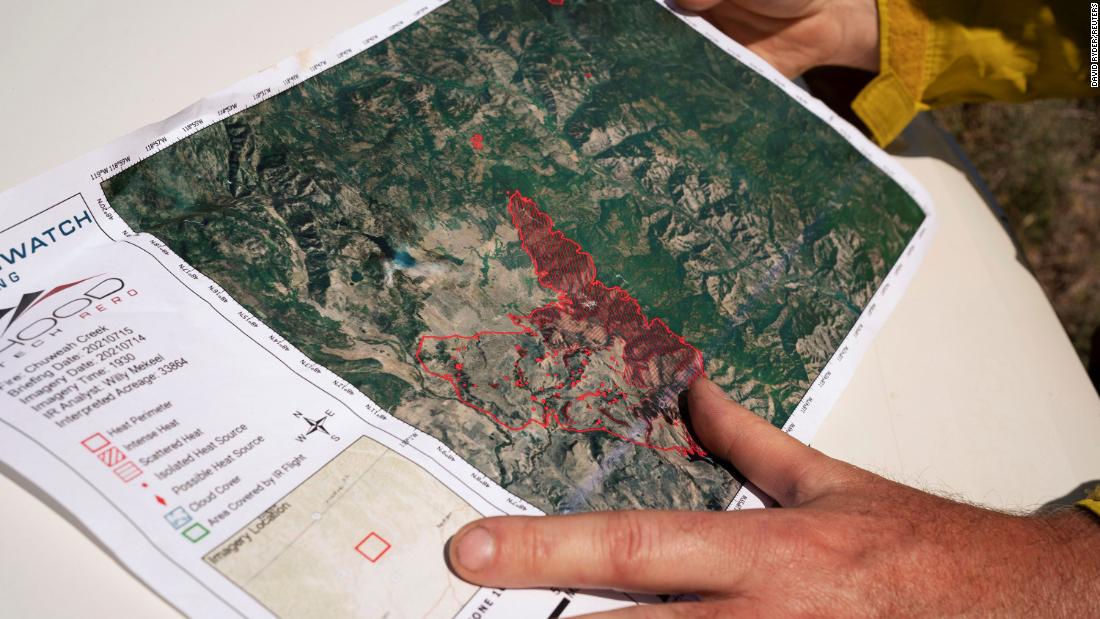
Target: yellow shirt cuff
x=940, y=52
x=891, y=100
x=1089, y=504
x=1092, y=501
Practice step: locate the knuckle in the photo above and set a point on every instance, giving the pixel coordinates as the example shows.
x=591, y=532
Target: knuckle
x=803, y=485
x=628, y=543
x=731, y=441
x=821, y=543
x=528, y=548
x=813, y=477
x=794, y=550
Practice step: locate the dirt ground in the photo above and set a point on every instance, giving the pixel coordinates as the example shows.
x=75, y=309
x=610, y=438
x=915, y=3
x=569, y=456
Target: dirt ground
x=1042, y=162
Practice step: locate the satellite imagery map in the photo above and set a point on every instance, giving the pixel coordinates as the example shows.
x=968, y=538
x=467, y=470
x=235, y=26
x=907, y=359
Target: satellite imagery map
x=524, y=227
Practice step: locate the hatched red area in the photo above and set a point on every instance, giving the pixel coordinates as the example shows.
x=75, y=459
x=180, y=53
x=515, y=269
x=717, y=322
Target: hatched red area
x=591, y=361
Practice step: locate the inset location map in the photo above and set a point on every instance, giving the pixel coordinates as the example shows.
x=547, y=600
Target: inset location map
x=367, y=215
x=297, y=560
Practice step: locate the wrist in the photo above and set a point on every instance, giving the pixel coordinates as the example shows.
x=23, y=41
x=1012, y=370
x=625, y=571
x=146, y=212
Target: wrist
x=858, y=24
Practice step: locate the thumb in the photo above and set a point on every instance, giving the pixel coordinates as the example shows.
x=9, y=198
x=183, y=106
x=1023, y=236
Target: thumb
x=775, y=462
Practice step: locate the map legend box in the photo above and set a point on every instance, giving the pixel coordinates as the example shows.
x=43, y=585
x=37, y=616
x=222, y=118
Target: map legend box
x=177, y=517
x=195, y=532
x=127, y=471
x=95, y=442
x=111, y=456
x=372, y=547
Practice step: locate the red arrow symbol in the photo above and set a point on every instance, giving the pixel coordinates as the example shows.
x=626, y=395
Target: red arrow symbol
x=161, y=500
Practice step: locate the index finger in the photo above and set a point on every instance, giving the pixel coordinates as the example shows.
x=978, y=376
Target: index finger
x=779, y=464
x=641, y=551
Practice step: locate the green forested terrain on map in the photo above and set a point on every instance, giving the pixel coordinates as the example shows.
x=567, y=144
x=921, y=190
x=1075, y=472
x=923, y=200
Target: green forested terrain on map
x=364, y=215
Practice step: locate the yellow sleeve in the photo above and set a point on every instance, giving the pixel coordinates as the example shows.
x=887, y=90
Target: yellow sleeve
x=1092, y=501
x=939, y=52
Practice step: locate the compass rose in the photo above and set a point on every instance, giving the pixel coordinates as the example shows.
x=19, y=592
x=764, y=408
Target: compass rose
x=315, y=426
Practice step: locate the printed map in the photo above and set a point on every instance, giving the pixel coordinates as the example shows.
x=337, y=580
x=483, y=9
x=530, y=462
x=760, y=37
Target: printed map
x=524, y=227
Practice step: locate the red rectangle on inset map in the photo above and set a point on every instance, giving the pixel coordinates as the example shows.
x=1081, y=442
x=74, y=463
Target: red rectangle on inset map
x=95, y=442
x=372, y=547
x=127, y=471
x=111, y=456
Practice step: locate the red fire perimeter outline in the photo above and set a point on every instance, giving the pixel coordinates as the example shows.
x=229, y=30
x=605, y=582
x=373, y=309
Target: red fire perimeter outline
x=516, y=202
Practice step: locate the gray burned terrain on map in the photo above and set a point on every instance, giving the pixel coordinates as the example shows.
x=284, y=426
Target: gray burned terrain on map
x=364, y=215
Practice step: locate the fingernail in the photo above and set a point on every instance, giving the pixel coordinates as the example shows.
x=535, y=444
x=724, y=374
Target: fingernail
x=475, y=549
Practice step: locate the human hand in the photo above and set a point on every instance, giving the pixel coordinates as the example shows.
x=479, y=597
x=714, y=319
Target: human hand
x=845, y=542
x=797, y=35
